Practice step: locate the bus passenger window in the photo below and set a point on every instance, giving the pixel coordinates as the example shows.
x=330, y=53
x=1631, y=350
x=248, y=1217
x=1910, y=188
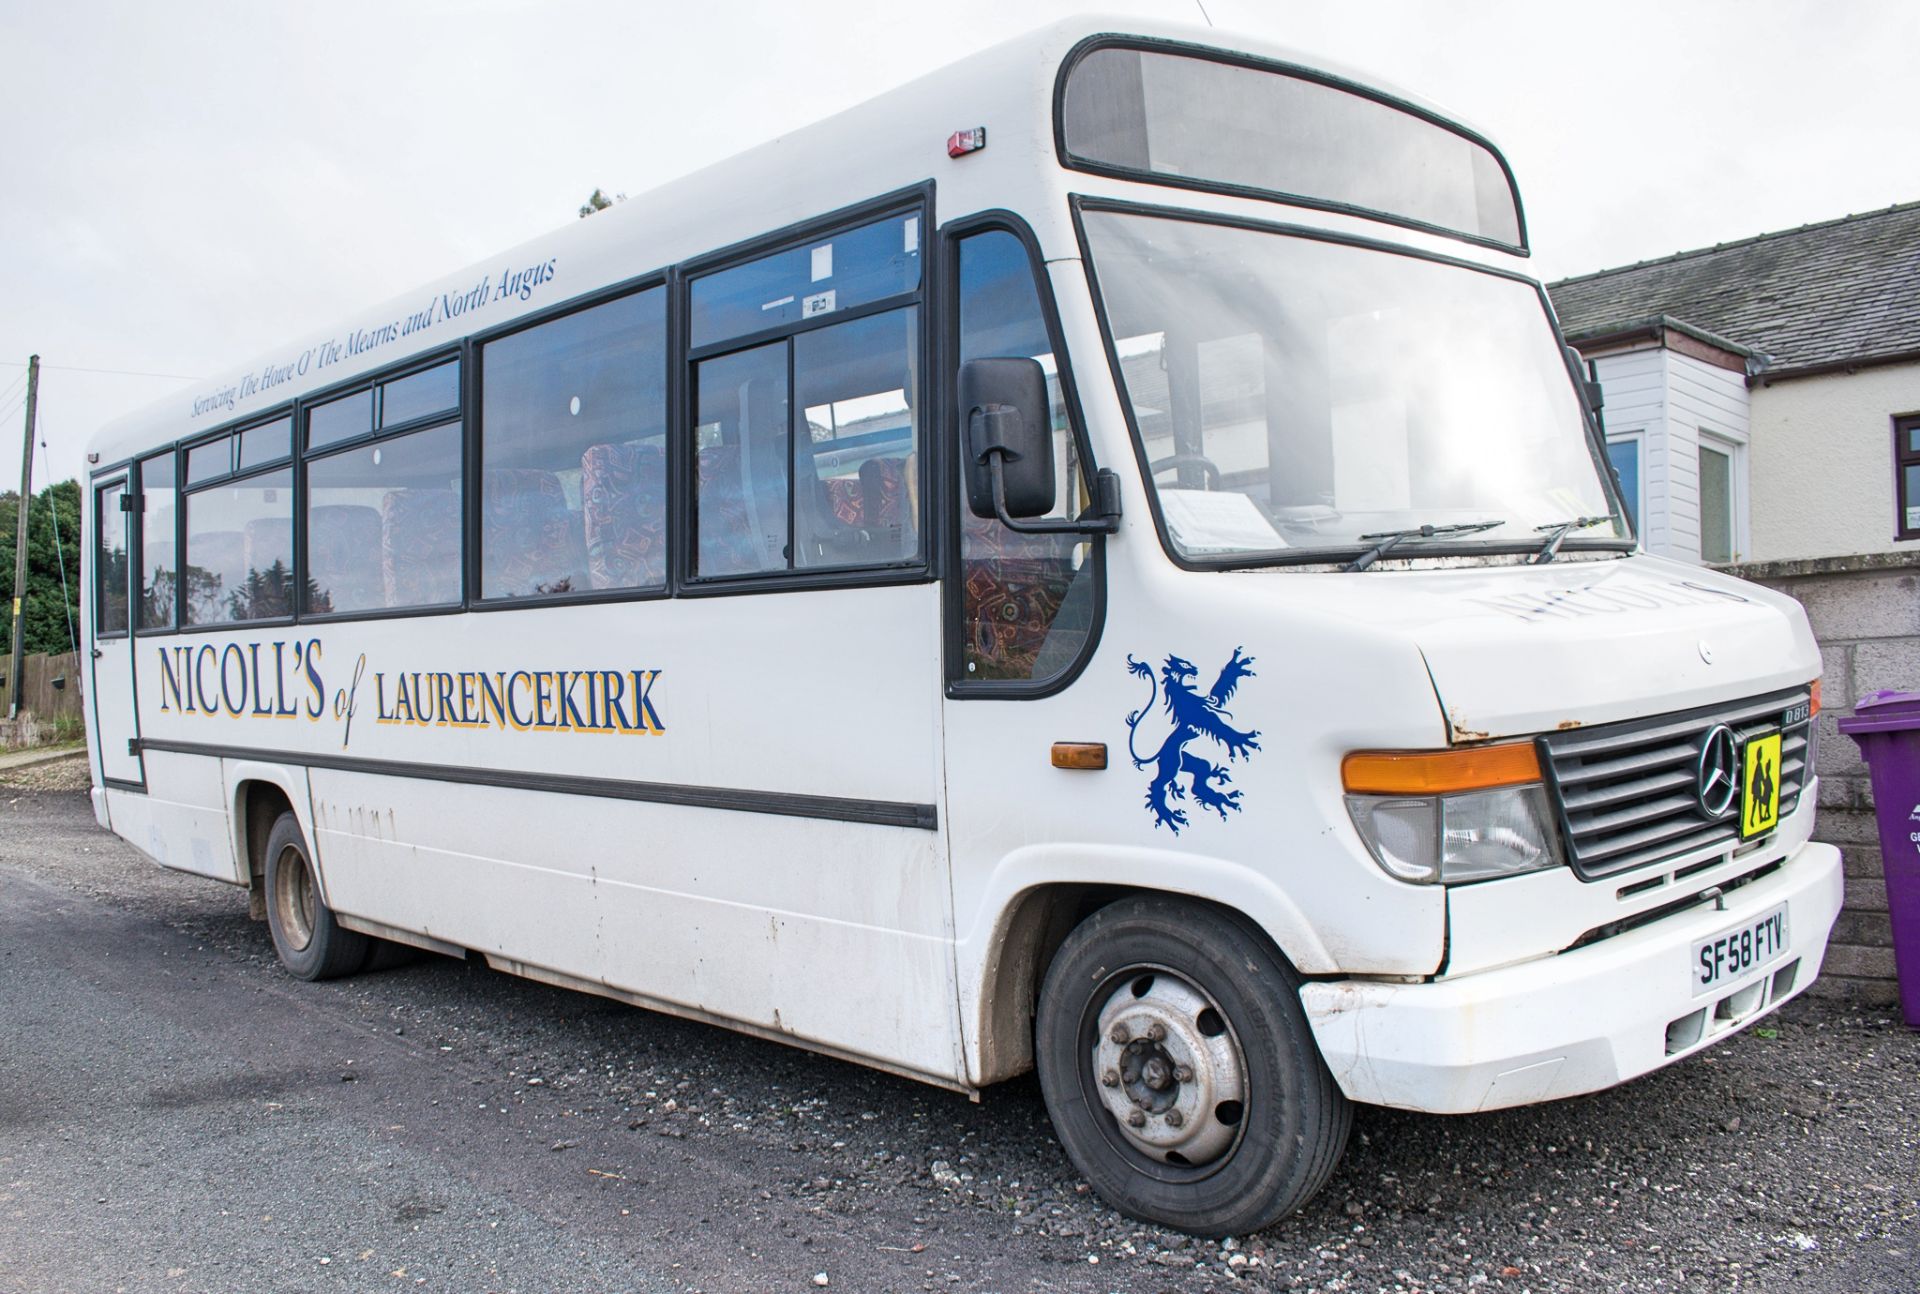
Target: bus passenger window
x=573, y=491
x=110, y=561
x=1026, y=601
x=383, y=524
x=740, y=435
x=853, y=267
x=857, y=461
x=420, y=395
x=155, y=607
x=239, y=559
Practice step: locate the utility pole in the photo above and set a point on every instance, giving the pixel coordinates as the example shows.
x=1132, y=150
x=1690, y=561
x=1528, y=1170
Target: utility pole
x=15, y=675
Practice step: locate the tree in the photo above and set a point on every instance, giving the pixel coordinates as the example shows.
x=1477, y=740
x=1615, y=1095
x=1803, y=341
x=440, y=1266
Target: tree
x=600, y=202
x=45, y=612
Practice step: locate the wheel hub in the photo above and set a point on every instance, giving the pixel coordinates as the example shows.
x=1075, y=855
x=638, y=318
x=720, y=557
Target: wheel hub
x=1170, y=1072
x=295, y=898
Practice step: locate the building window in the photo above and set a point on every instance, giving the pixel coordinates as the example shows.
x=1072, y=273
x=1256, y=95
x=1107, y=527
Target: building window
x=1906, y=476
x=1716, y=502
x=1624, y=454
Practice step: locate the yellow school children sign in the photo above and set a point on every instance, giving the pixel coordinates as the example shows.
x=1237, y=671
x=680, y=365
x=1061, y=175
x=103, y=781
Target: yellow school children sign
x=1760, y=787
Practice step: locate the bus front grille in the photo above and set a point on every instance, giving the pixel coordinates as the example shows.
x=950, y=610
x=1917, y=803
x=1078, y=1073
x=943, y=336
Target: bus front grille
x=1628, y=793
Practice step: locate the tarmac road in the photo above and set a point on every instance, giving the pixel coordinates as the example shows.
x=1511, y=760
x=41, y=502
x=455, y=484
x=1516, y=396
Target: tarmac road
x=178, y=1114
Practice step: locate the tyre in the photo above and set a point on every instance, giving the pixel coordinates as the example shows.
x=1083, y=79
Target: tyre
x=1179, y=1070
x=311, y=944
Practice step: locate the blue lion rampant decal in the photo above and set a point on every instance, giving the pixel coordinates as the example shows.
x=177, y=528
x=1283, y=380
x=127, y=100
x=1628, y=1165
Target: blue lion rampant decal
x=1193, y=716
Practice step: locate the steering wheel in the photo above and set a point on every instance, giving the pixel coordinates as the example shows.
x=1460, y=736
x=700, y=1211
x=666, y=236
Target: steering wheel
x=1189, y=460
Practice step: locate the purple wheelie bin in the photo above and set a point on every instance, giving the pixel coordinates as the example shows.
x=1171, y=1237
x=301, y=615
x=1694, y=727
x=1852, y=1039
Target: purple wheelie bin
x=1886, y=726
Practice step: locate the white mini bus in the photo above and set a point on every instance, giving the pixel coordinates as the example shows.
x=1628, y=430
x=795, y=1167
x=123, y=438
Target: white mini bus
x=1097, y=560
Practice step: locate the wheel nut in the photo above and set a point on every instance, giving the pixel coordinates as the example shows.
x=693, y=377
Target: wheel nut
x=1136, y=1118
x=1183, y=1073
x=1110, y=1079
x=1156, y=1031
x=1120, y=1033
x=1175, y=1118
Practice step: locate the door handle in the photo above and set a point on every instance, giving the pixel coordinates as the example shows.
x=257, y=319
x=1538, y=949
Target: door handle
x=97, y=653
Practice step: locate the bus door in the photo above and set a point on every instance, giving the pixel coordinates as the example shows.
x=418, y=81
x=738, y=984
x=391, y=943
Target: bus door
x=116, y=723
x=1021, y=610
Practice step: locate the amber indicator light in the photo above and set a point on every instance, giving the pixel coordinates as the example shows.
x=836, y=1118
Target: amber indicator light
x=1435, y=772
x=1080, y=754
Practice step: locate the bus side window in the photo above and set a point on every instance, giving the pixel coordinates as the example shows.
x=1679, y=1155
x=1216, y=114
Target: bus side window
x=740, y=429
x=856, y=457
x=573, y=488
x=1026, y=601
x=238, y=564
x=110, y=560
x=157, y=574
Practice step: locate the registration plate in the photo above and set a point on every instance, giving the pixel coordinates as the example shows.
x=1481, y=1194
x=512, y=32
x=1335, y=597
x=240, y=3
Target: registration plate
x=1746, y=947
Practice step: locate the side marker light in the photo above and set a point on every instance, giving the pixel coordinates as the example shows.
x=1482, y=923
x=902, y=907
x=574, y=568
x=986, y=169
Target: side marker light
x=1091, y=755
x=962, y=142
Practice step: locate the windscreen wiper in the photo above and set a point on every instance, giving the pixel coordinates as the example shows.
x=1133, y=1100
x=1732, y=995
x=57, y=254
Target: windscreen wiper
x=1561, y=529
x=1390, y=538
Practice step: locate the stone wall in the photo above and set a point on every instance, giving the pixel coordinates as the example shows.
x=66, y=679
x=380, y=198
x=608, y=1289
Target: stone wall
x=1865, y=612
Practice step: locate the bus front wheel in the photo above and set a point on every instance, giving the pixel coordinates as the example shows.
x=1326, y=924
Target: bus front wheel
x=1180, y=1072
x=311, y=944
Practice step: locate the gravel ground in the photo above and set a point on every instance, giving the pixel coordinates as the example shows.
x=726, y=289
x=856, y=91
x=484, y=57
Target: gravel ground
x=1785, y=1159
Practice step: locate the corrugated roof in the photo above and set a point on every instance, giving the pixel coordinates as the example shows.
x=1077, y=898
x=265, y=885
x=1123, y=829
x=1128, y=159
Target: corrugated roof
x=1841, y=291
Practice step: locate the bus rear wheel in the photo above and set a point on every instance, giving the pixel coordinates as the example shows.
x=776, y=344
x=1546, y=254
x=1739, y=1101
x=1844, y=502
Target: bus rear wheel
x=311, y=944
x=1180, y=1072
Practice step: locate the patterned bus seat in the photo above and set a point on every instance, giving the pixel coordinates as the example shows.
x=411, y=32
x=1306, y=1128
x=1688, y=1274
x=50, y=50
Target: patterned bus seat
x=529, y=543
x=623, y=490
x=420, y=547
x=343, y=557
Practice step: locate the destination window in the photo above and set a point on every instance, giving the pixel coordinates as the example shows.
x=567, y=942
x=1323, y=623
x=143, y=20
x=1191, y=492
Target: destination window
x=161, y=499
x=238, y=563
x=573, y=453
x=1200, y=122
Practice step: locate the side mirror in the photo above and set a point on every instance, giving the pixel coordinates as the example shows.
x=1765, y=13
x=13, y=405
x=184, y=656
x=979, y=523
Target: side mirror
x=1004, y=429
x=1589, y=389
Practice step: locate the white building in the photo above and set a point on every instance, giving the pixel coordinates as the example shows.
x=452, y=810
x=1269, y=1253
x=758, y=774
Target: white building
x=1763, y=396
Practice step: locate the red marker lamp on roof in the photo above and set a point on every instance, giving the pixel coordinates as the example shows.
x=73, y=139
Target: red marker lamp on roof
x=962, y=142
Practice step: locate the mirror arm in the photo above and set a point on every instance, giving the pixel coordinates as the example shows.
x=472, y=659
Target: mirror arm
x=1102, y=516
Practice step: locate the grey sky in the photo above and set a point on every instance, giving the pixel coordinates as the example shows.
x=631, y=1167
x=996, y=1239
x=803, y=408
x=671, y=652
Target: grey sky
x=187, y=184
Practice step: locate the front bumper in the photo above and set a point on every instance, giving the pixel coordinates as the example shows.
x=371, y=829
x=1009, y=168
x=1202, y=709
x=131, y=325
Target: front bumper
x=1576, y=1022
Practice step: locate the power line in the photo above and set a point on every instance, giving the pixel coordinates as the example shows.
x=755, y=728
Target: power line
x=109, y=372
x=59, y=551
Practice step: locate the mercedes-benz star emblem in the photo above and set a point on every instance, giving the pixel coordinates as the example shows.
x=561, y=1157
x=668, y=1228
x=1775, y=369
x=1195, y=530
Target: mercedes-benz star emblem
x=1717, y=771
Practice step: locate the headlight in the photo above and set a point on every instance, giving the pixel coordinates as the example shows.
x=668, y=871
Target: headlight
x=1465, y=834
